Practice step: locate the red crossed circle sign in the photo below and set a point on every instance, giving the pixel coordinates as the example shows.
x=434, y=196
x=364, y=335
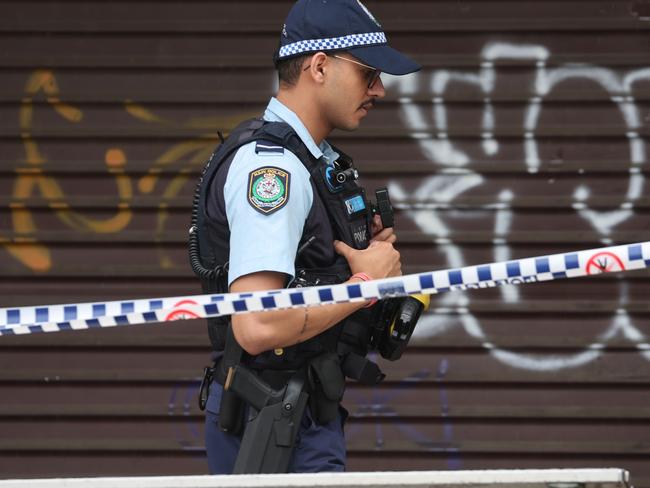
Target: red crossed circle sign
x=604, y=262
x=181, y=311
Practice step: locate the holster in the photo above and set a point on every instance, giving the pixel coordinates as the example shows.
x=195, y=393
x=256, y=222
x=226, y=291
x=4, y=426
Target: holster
x=269, y=437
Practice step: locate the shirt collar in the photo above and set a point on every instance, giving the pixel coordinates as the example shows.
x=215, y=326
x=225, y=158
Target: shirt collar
x=276, y=111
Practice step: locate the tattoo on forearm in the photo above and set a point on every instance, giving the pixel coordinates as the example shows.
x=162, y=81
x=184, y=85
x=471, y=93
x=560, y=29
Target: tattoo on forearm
x=304, y=324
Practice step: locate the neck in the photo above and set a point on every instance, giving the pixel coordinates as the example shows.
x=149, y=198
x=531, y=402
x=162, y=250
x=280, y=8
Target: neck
x=307, y=111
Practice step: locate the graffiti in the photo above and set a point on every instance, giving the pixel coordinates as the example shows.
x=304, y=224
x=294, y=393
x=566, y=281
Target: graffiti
x=188, y=156
x=179, y=406
x=429, y=128
x=32, y=178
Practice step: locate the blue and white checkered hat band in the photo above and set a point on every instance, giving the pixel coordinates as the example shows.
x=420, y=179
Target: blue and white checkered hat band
x=332, y=44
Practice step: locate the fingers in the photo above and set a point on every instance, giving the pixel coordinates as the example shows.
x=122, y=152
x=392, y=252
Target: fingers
x=387, y=235
x=379, y=260
x=376, y=225
x=343, y=249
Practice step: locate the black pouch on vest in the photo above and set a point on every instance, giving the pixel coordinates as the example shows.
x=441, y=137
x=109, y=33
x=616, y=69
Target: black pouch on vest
x=327, y=385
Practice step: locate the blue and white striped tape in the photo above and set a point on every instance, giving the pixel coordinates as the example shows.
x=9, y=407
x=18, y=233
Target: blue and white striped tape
x=54, y=318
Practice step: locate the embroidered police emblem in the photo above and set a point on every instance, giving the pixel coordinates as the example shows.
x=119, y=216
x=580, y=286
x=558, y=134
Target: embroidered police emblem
x=268, y=189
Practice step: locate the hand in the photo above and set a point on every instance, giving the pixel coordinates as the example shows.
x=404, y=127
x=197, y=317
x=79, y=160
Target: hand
x=381, y=234
x=379, y=260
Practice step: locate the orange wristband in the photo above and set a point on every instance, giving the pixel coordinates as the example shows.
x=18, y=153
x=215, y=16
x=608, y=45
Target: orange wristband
x=365, y=277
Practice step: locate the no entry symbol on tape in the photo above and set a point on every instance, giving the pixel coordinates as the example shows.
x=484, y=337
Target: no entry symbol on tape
x=604, y=262
x=182, y=310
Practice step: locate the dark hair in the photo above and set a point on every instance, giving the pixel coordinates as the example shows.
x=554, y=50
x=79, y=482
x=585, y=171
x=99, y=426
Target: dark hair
x=289, y=69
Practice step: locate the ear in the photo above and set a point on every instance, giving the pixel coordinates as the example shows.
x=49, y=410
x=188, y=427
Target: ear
x=318, y=67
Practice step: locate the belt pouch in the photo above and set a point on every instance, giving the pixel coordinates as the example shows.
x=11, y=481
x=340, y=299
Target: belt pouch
x=326, y=384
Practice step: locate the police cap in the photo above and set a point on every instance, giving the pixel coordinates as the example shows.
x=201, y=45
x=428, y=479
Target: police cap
x=340, y=25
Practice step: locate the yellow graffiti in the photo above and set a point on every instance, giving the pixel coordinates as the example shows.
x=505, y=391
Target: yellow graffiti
x=142, y=113
x=194, y=154
x=35, y=181
x=148, y=182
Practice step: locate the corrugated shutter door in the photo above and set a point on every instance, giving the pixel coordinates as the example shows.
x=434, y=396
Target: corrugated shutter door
x=526, y=133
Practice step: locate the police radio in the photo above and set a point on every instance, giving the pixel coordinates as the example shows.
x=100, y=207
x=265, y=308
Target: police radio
x=396, y=318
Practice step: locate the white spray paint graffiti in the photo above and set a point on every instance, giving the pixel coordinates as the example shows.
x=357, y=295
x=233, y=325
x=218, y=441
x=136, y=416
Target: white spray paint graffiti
x=430, y=130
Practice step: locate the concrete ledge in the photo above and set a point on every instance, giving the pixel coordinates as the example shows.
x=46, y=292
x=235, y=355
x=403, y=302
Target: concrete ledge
x=534, y=478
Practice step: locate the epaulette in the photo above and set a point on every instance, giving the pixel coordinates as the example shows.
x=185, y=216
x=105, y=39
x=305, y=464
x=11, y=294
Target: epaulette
x=268, y=147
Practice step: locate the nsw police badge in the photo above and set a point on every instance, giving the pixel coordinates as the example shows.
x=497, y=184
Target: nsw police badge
x=268, y=189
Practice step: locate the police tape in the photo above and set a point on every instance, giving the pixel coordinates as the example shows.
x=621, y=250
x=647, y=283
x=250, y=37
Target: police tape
x=55, y=318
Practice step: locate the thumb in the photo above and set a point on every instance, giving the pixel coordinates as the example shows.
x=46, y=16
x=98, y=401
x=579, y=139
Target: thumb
x=342, y=248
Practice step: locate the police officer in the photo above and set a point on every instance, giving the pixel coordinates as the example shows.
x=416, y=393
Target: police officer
x=264, y=211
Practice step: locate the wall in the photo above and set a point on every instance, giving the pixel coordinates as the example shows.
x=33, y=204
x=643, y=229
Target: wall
x=526, y=133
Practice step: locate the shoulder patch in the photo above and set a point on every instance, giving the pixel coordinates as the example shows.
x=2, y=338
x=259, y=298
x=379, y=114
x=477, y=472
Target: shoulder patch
x=267, y=147
x=268, y=189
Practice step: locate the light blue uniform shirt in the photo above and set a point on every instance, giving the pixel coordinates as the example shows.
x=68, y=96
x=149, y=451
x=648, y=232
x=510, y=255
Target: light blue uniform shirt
x=261, y=242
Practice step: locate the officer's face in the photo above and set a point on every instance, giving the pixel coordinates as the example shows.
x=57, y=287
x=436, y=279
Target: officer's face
x=352, y=91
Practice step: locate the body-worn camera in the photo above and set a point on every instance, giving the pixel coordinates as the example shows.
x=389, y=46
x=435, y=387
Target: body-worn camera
x=343, y=175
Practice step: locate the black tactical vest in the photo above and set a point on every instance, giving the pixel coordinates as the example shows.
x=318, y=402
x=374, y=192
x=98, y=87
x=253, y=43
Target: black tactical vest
x=340, y=210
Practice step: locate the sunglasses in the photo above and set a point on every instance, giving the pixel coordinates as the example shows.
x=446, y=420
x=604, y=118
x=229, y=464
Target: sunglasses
x=371, y=74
